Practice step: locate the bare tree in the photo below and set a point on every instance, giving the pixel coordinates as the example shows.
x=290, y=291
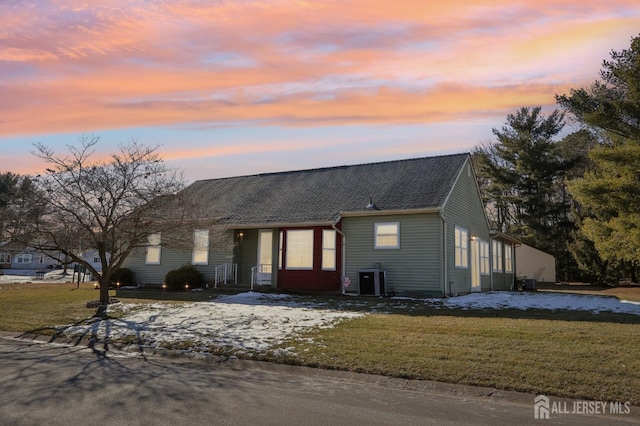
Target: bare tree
x=107, y=205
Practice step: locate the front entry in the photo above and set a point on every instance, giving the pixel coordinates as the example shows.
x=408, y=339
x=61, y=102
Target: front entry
x=265, y=257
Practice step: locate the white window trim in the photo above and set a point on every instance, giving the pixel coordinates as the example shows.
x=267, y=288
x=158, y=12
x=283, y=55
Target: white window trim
x=485, y=258
x=24, y=258
x=288, y=251
x=508, y=258
x=280, y=242
x=329, y=252
x=153, y=248
x=496, y=247
x=461, y=247
x=376, y=235
x=200, y=251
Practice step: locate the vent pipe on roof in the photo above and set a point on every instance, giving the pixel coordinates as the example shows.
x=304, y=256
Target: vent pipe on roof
x=371, y=206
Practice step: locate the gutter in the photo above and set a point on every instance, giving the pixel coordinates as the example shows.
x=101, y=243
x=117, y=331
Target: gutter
x=337, y=219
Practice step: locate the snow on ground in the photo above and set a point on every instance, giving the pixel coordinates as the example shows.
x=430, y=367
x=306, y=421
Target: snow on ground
x=29, y=276
x=542, y=300
x=257, y=322
x=247, y=321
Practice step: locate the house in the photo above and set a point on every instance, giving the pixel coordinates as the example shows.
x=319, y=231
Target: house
x=92, y=257
x=407, y=227
x=28, y=259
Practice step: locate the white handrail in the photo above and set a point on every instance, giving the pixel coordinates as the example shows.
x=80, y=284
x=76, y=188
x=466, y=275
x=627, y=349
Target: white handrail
x=261, y=275
x=225, y=273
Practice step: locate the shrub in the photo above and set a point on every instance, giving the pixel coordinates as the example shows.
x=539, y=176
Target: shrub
x=184, y=278
x=124, y=276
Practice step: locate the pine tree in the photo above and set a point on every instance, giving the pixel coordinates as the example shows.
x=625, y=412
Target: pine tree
x=609, y=192
x=522, y=176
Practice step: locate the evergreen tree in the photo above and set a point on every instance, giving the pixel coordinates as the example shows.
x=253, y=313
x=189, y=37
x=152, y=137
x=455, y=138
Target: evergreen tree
x=522, y=177
x=609, y=192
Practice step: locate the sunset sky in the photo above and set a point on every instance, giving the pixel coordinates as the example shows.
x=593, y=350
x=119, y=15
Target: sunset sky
x=239, y=87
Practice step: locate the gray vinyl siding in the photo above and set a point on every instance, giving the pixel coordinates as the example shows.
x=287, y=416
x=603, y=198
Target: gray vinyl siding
x=246, y=255
x=220, y=251
x=414, y=268
x=464, y=208
x=503, y=280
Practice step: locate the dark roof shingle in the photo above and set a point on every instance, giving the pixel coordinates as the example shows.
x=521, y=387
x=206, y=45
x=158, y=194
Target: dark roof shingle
x=318, y=195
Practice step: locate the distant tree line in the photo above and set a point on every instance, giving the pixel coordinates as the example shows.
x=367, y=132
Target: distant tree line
x=577, y=197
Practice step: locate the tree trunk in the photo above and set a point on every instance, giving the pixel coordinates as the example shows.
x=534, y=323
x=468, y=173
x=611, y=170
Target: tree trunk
x=104, y=299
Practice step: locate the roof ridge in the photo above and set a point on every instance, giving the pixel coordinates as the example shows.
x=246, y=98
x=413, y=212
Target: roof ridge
x=344, y=166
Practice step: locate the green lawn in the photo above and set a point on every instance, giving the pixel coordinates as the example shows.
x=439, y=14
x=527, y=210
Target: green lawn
x=573, y=358
x=573, y=354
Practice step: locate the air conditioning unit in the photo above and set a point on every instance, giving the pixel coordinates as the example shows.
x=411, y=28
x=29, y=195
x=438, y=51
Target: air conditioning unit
x=371, y=282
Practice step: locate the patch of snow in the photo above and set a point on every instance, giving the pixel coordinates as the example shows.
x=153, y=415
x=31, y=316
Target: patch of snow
x=29, y=276
x=257, y=322
x=539, y=300
x=248, y=321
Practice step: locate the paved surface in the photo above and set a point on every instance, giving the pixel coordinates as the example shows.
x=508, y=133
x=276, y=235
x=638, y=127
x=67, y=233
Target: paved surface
x=47, y=384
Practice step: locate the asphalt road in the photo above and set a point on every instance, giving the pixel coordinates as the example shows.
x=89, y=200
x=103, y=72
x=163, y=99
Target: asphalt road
x=45, y=384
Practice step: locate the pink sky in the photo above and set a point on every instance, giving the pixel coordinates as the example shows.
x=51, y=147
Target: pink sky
x=238, y=87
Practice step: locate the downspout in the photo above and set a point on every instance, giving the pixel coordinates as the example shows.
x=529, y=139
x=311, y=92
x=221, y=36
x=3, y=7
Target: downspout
x=337, y=219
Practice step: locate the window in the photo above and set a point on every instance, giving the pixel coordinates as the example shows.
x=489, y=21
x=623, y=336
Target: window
x=96, y=260
x=153, y=249
x=497, y=256
x=200, y=247
x=387, y=235
x=24, y=258
x=280, y=249
x=508, y=258
x=299, y=249
x=328, y=249
x=484, y=257
x=461, y=247
x=265, y=248
x=5, y=258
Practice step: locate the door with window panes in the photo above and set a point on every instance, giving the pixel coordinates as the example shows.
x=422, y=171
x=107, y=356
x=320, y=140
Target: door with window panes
x=265, y=256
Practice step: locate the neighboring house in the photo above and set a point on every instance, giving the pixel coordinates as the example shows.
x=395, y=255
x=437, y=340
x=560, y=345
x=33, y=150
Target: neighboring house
x=5, y=260
x=29, y=259
x=91, y=257
x=407, y=227
x=535, y=264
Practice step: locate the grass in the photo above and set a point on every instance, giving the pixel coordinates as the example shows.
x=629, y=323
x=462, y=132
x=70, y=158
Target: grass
x=563, y=353
x=578, y=359
x=29, y=307
x=39, y=307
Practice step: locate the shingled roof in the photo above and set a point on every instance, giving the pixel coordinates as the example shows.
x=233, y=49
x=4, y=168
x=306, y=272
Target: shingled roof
x=319, y=195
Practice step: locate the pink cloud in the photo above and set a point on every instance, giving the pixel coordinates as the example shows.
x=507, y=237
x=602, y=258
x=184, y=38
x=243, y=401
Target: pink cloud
x=78, y=67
